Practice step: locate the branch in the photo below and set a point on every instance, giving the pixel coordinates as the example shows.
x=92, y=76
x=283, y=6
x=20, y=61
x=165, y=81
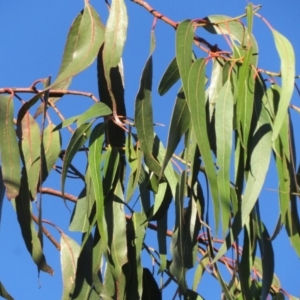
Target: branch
x=52, y=93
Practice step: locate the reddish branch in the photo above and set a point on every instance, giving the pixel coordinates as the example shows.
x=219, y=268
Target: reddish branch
x=52, y=93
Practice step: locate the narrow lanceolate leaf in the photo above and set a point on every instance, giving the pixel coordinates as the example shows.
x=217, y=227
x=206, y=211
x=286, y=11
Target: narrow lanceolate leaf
x=22, y=206
x=215, y=86
x=69, y=254
x=94, y=158
x=260, y=154
x=196, y=102
x=84, y=43
x=267, y=254
x=144, y=117
x=180, y=122
x=29, y=132
x=115, y=33
x=9, y=149
x=52, y=148
x=95, y=111
x=170, y=77
x=184, y=44
x=223, y=127
x=116, y=231
x=78, y=139
x=287, y=58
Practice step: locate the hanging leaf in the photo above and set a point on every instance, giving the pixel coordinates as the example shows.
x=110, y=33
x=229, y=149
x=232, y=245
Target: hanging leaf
x=29, y=134
x=94, y=159
x=9, y=150
x=196, y=102
x=223, y=127
x=69, y=253
x=169, y=78
x=52, y=148
x=2, y=192
x=287, y=58
x=143, y=115
x=22, y=205
x=184, y=44
x=180, y=122
x=78, y=139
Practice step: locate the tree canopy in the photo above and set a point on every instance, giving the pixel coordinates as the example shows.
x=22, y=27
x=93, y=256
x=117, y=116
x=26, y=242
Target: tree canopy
x=155, y=217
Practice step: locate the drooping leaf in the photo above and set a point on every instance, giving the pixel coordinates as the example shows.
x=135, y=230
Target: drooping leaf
x=10, y=157
x=169, y=78
x=260, y=154
x=223, y=127
x=196, y=102
x=52, y=148
x=22, y=205
x=267, y=254
x=184, y=44
x=29, y=134
x=94, y=158
x=150, y=288
x=287, y=58
x=116, y=232
x=200, y=269
x=78, y=139
x=115, y=34
x=180, y=122
x=69, y=254
x=144, y=118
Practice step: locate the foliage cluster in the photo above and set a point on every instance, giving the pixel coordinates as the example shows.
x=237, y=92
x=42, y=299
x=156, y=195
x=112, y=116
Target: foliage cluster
x=228, y=119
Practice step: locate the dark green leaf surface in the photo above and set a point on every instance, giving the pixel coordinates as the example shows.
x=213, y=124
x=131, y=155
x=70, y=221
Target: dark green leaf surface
x=196, y=102
x=78, y=139
x=287, y=58
x=10, y=157
x=223, y=127
x=169, y=78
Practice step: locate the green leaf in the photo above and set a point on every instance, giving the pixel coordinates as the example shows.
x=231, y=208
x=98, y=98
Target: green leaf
x=95, y=111
x=78, y=139
x=223, y=127
x=9, y=149
x=200, y=269
x=69, y=254
x=94, y=159
x=116, y=232
x=162, y=228
x=287, y=58
x=29, y=134
x=66, y=123
x=115, y=34
x=170, y=77
x=79, y=220
x=184, y=45
x=84, y=43
x=180, y=122
x=52, y=148
x=260, y=154
x=196, y=102
x=144, y=119
x=22, y=205
x=4, y=294
x=267, y=254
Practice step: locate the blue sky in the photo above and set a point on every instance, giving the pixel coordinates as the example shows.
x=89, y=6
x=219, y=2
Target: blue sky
x=33, y=36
